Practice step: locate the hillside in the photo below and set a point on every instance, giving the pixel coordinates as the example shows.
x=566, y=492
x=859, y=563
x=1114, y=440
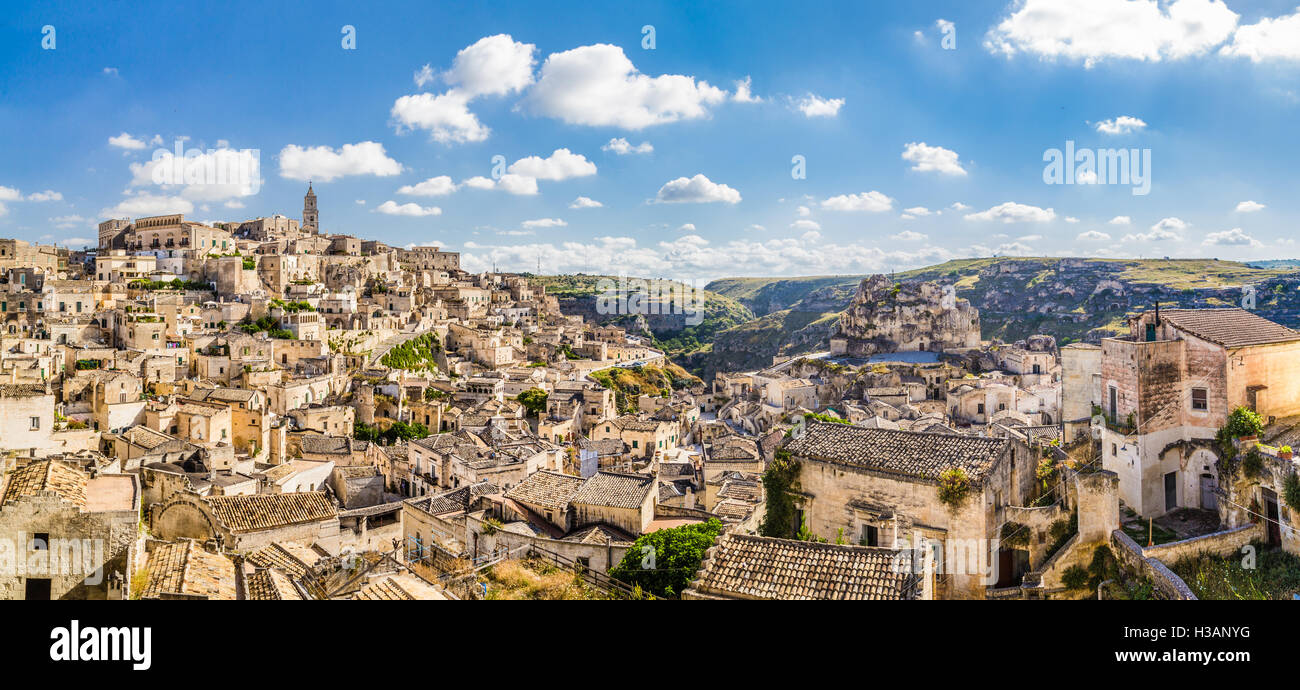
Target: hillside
x=671, y=332
x=1072, y=299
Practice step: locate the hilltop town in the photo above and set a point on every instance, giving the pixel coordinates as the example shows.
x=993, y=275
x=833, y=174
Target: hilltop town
x=266, y=410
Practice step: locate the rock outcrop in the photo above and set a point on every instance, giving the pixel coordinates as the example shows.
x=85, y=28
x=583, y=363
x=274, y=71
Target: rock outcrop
x=886, y=316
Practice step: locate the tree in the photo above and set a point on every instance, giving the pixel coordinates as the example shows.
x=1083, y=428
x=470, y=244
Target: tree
x=534, y=399
x=665, y=561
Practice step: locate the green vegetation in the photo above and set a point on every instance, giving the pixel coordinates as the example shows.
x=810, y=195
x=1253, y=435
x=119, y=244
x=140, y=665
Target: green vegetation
x=778, y=486
x=1269, y=574
x=292, y=307
x=85, y=364
x=536, y=579
x=417, y=354
x=648, y=379
x=1060, y=532
x=397, y=430
x=677, y=555
x=954, y=487
x=1143, y=532
x=534, y=400
x=819, y=417
x=176, y=284
x=267, y=324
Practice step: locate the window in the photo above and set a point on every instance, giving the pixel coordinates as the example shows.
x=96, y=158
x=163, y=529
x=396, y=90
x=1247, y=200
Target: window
x=1199, y=401
x=36, y=423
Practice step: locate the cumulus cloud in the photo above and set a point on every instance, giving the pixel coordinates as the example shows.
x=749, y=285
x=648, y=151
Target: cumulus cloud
x=1121, y=220
x=872, y=201
x=1123, y=124
x=392, y=208
x=813, y=105
x=1269, y=39
x=441, y=185
x=743, y=93
x=1094, y=30
x=509, y=182
x=1231, y=238
x=324, y=163
x=1012, y=212
x=621, y=146
x=560, y=165
x=691, y=257
x=492, y=66
x=72, y=221
x=696, y=190
x=805, y=225
x=126, y=141
x=1166, y=230
x=47, y=195
x=544, y=223
x=585, y=202
x=145, y=204
x=909, y=236
x=598, y=86
x=1093, y=236
x=1249, y=207
x=926, y=158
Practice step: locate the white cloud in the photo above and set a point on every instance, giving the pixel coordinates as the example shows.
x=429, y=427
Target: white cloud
x=1029, y=238
x=597, y=85
x=424, y=75
x=544, y=223
x=1123, y=124
x=803, y=211
x=10, y=194
x=959, y=206
x=1121, y=220
x=78, y=242
x=696, y=190
x=1275, y=38
x=909, y=236
x=1095, y=30
x=1012, y=212
x=511, y=183
x=1231, y=238
x=1093, y=236
x=1167, y=229
x=686, y=227
x=916, y=212
x=691, y=257
x=813, y=105
x=621, y=146
x=322, y=163
x=47, y=195
x=492, y=66
x=928, y=158
x=585, y=202
x=126, y=141
x=392, y=208
x=233, y=203
x=743, y=93
x=146, y=204
x=110, y=71
x=560, y=165
x=441, y=185
x=1071, y=219
x=65, y=222
x=805, y=225
x=872, y=201
x=1250, y=207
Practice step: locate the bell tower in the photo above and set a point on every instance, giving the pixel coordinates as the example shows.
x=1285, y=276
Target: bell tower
x=310, y=219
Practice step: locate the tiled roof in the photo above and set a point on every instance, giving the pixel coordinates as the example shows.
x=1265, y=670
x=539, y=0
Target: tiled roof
x=547, y=489
x=614, y=490
x=455, y=500
x=399, y=588
x=269, y=511
x=271, y=585
x=1232, y=327
x=899, y=452
x=600, y=534
x=183, y=567
x=47, y=475
x=291, y=557
x=752, y=567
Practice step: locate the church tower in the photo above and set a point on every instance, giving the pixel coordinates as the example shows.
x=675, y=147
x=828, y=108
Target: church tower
x=310, y=220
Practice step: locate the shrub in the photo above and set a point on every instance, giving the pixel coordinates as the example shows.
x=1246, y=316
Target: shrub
x=954, y=486
x=1075, y=577
x=1253, y=464
x=1291, y=491
x=677, y=553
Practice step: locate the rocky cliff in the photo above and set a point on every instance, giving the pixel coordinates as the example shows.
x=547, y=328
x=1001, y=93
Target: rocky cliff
x=887, y=316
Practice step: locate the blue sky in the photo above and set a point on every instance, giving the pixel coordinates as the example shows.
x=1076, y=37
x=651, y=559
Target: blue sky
x=913, y=153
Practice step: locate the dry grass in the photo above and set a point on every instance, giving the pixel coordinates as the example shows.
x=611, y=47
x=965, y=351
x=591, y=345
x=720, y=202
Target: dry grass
x=532, y=579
